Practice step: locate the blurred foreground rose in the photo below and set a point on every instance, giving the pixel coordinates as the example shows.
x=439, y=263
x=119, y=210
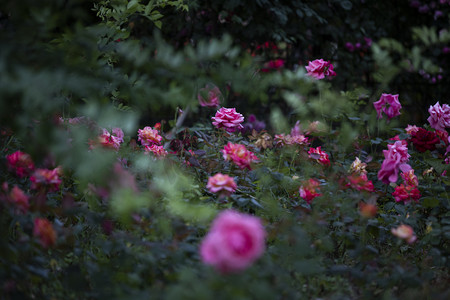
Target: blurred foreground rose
x=234, y=242
x=404, y=232
x=209, y=96
x=43, y=230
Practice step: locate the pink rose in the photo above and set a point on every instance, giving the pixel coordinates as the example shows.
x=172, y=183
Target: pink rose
x=21, y=163
x=319, y=68
x=111, y=139
x=222, y=184
x=395, y=159
x=149, y=136
x=310, y=190
x=19, y=199
x=242, y=157
x=388, y=104
x=158, y=151
x=234, y=242
x=209, y=96
x=44, y=178
x=319, y=155
x=229, y=119
x=439, y=117
x=43, y=230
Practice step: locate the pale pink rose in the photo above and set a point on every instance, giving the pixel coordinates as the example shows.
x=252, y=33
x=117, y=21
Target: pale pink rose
x=229, y=119
x=411, y=129
x=158, y=151
x=234, y=242
x=149, y=136
x=319, y=68
x=21, y=163
x=239, y=154
x=222, y=184
x=404, y=232
x=439, y=117
x=389, y=104
x=209, y=96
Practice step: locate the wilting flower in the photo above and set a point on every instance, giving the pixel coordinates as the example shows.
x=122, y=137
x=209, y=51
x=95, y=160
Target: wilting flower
x=282, y=139
x=406, y=193
x=439, y=117
x=43, y=230
x=111, y=139
x=404, y=232
x=309, y=190
x=149, y=136
x=319, y=155
x=319, y=68
x=424, y=140
x=48, y=179
x=229, y=119
x=395, y=159
x=209, y=96
x=20, y=163
x=158, y=151
x=367, y=210
x=388, y=104
x=239, y=154
x=234, y=242
x=19, y=199
x=358, y=167
x=262, y=139
x=222, y=184
x=360, y=182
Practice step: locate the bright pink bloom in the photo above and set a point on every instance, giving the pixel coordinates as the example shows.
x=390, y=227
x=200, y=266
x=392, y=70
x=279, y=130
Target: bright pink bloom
x=44, y=178
x=21, y=163
x=234, y=242
x=388, y=104
x=242, y=157
x=319, y=155
x=19, y=199
x=319, y=68
x=149, y=136
x=158, y=151
x=360, y=182
x=439, y=117
x=395, y=159
x=404, y=232
x=111, y=139
x=310, y=190
x=43, y=230
x=406, y=193
x=222, y=184
x=209, y=96
x=409, y=178
x=229, y=119
x=273, y=65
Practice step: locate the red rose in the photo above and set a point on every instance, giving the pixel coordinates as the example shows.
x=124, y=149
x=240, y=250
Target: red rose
x=424, y=140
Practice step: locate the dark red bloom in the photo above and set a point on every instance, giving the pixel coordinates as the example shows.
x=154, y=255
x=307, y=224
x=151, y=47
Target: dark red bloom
x=424, y=140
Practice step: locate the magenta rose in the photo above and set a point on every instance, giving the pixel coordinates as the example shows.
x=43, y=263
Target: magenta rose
x=229, y=119
x=424, y=140
x=439, y=117
x=209, y=96
x=234, y=242
x=388, y=104
x=319, y=68
x=395, y=159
